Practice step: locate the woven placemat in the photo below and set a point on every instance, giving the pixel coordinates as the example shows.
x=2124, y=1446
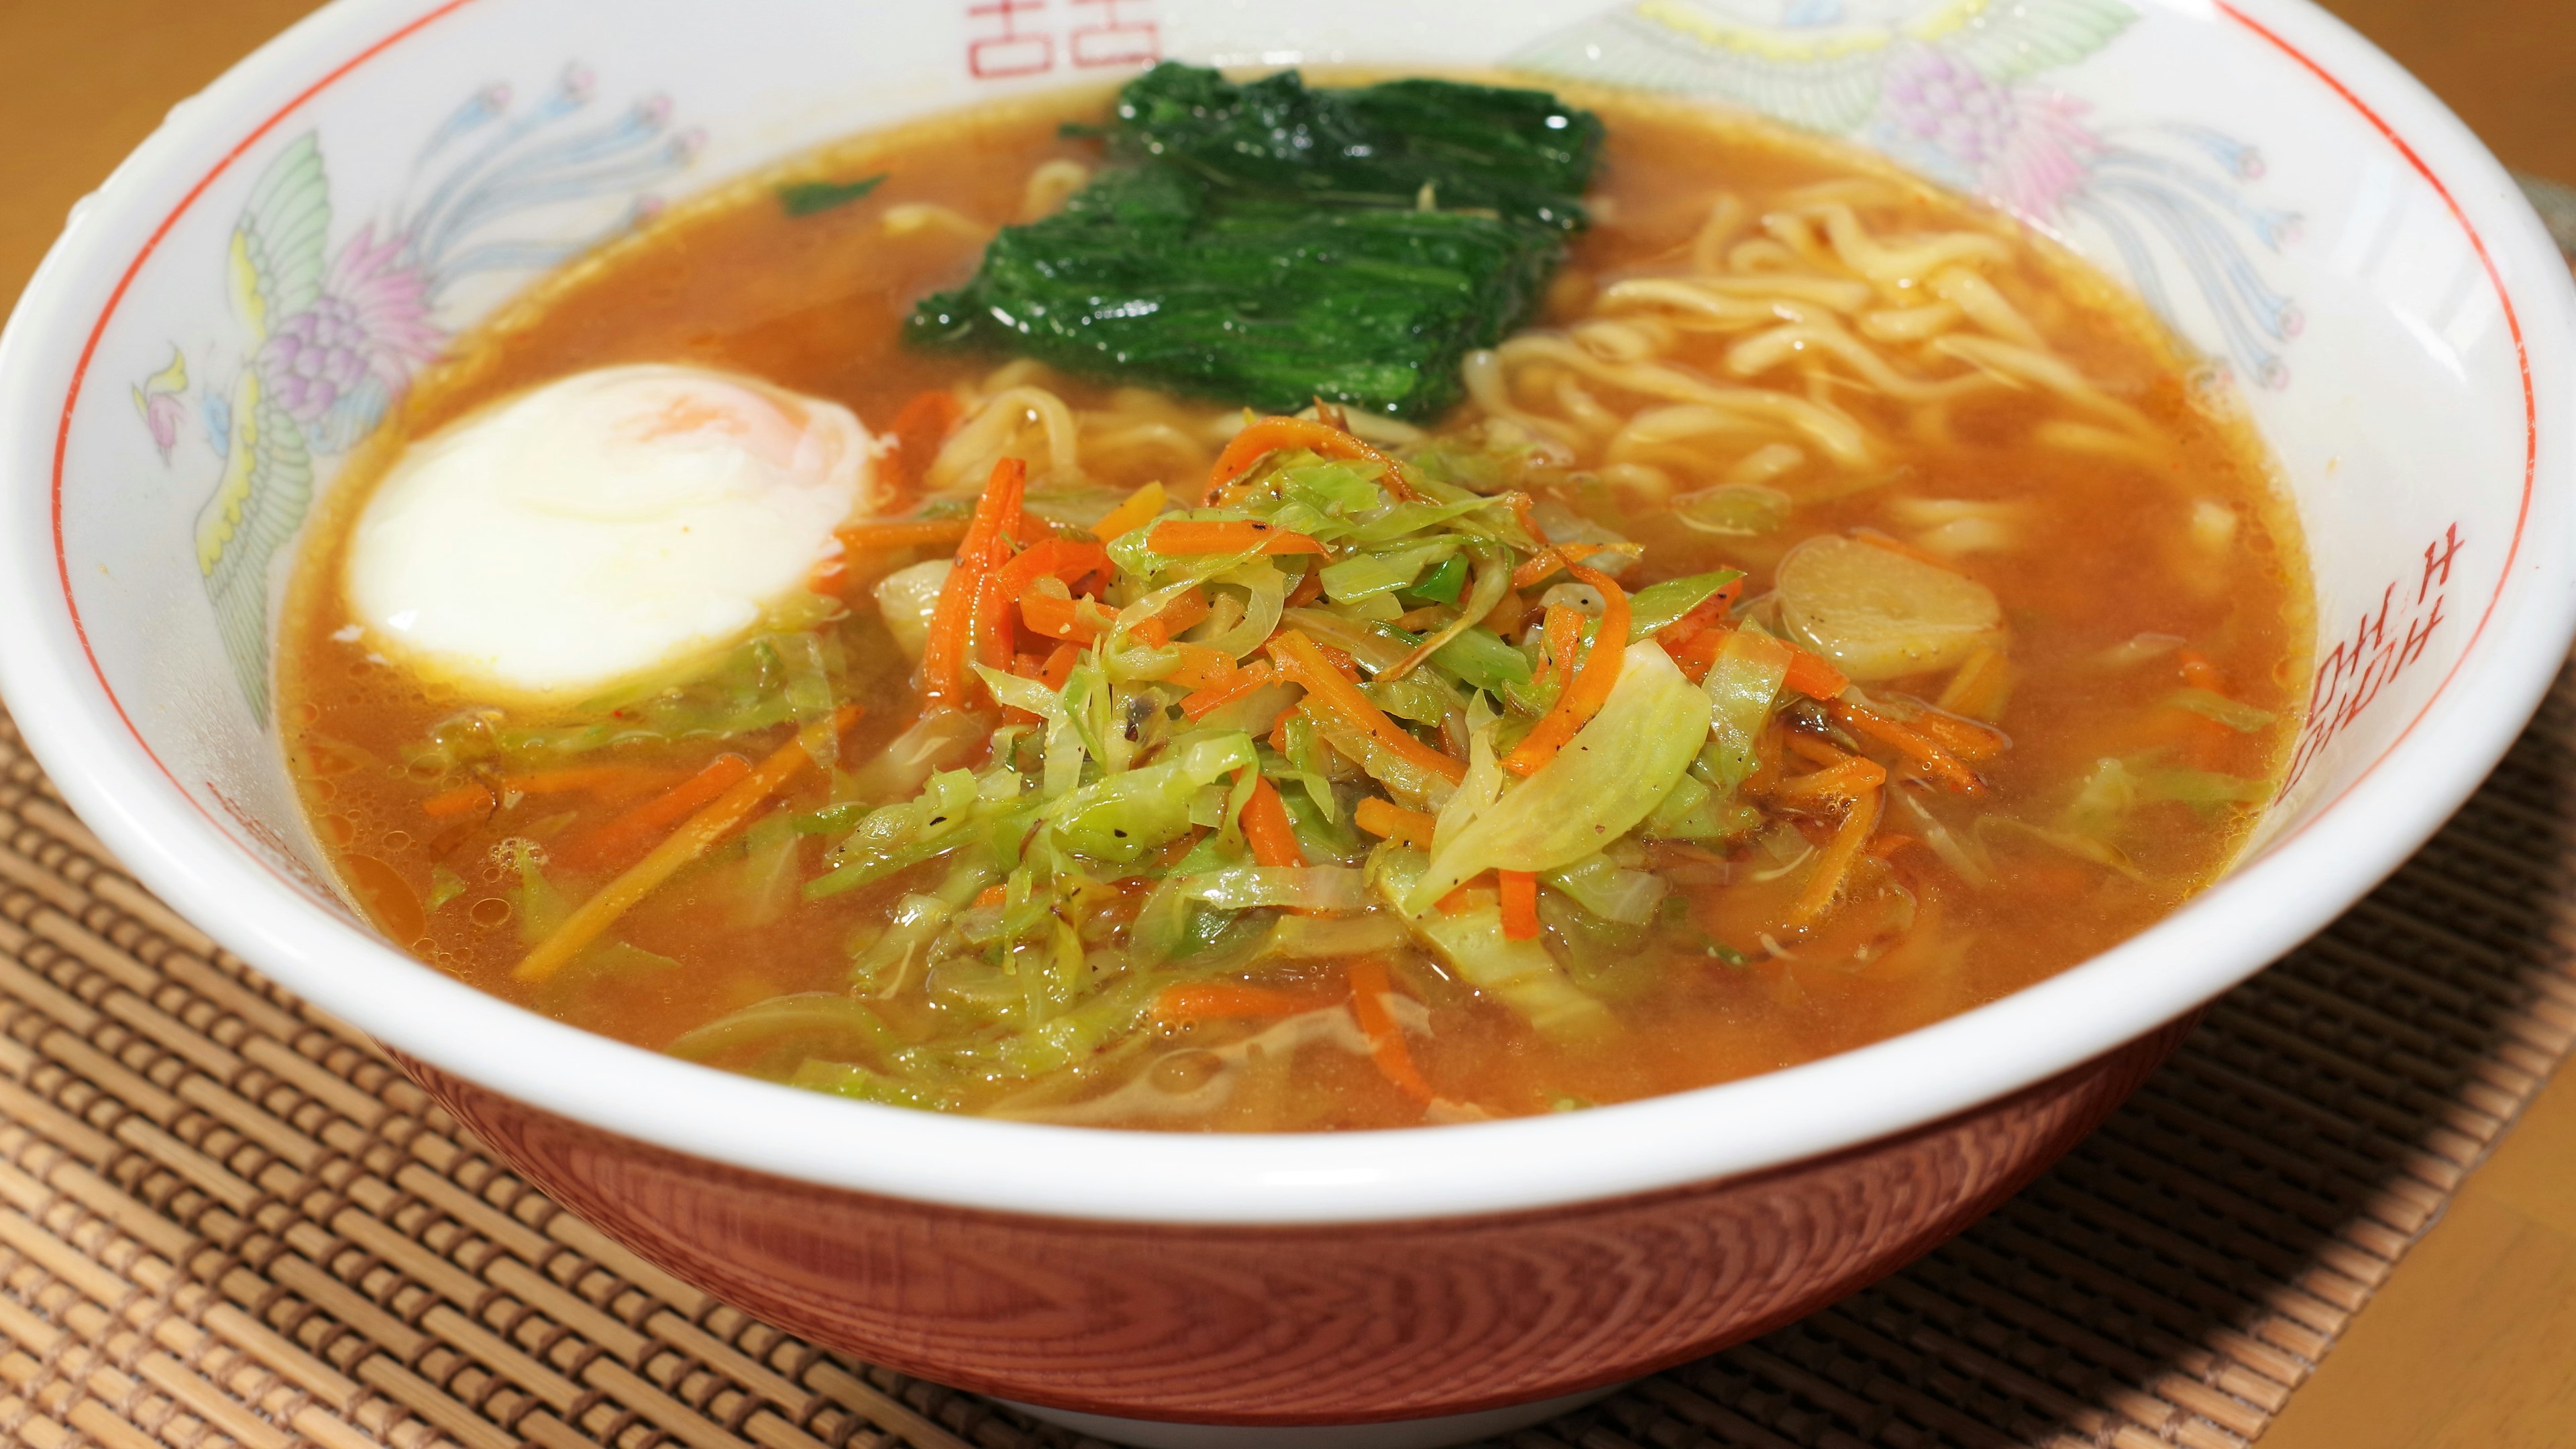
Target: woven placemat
x=224, y=1219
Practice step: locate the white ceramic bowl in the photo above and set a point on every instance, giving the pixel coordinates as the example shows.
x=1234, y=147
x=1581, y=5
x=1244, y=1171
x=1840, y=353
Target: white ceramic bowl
x=2396, y=319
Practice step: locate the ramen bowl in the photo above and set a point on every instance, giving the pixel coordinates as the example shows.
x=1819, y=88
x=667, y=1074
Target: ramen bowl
x=225, y=320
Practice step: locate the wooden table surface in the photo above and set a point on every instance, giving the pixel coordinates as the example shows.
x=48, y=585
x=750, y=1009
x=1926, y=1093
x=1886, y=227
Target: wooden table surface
x=2472, y=1344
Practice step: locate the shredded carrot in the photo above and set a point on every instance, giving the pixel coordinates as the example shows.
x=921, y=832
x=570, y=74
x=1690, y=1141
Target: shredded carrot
x=1698, y=655
x=1389, y=821
x=1936, y=763
x=910, y=533
x=992, y=895
x=1271, y=435
x=1564, y=632
x=1520, y=904
x=1051, y=558
x=1305, y=663
x=1058, y=666
x=1888, y=845
x=1267, y=829
x=465, y=799
x=1194, y=1001
x=1706, y=618
x=1310, y=587
x=1369, y=990
x=696, y=835
x=1980, y=687
x=1202, y=703
x=919, y=427
x=623, y=835
x=1186, y=608
x=1139, y=507
x=1808, y=747
x=1456, y=901
x=1834, y=862
x=1811, y=676
x=1972, y=742
x=1506, y=615
x=1552, y=558
x=1228, y=535
x=1849, y=780
x=1079, y=621
x=969, y=606
x=2199, y=673
x=1201, y=667
x=1590, y=686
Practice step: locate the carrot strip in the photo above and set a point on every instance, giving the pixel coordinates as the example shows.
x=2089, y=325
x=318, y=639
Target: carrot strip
x=1058, y=666
x=1709, y=617
x=1973, y=743
x=1698, y=655
x=1834, y=864
x=1551, y=558
x=1849, y=780
x=1304, y=662
x=1310, y=587
x=1811, y=676
x=1589, y=687
x=1520, y=904
x=1201, y=667
x=1228, y=535
x=1271, y=435
x=1139, y=508
x=1054, y=558
x=465, y=799
x=1267, y=829
x=969, y=606
x=1243, y=681
x=1458, y=900
x=1564, y=631
x=919, y=427
x=908, y=533
x=1187, y=608
x=621, y=835
x=1807, y=747
x=1195, y=1001
x=1369, y=990
x=1078, y=621
x=694, y=837
x=1935, y=762
x=1390, y=821
x=992, y=895
x=2199, y=673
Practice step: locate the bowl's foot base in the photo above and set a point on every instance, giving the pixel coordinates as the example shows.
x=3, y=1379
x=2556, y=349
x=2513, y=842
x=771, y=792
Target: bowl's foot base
x=1396, y=1434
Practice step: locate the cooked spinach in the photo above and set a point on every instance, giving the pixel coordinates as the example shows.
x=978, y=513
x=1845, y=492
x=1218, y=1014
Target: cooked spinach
x=1268, y=244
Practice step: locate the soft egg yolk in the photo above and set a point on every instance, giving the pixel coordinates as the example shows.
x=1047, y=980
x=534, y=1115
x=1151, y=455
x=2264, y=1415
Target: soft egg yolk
x=602, y=527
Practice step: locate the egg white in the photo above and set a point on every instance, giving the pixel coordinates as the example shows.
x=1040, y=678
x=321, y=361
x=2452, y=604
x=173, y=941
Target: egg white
x=602, y=527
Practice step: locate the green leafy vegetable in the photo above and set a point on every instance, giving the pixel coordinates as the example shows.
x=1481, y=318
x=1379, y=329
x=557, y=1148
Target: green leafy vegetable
x=1270, y=245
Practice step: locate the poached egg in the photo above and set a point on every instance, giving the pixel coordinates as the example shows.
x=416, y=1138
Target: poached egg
x=601, y=527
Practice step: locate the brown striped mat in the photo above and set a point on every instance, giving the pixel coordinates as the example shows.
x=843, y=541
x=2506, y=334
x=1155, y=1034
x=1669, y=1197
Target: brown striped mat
x=224, y=1219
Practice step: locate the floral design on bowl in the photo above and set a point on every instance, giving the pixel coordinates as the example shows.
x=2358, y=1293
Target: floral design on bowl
x=333, y=339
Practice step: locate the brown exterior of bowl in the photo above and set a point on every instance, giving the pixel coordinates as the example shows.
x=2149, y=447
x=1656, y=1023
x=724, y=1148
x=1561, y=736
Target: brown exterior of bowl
x=1336, y=1324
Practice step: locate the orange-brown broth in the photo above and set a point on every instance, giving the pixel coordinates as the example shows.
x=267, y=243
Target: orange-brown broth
x=815, y=304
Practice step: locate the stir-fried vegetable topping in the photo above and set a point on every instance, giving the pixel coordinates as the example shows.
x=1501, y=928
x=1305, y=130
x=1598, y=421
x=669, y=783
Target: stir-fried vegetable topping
x=1272, y=244
x=1341, y=727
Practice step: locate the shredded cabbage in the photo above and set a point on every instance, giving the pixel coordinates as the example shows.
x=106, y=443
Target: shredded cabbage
x=1609, y=777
